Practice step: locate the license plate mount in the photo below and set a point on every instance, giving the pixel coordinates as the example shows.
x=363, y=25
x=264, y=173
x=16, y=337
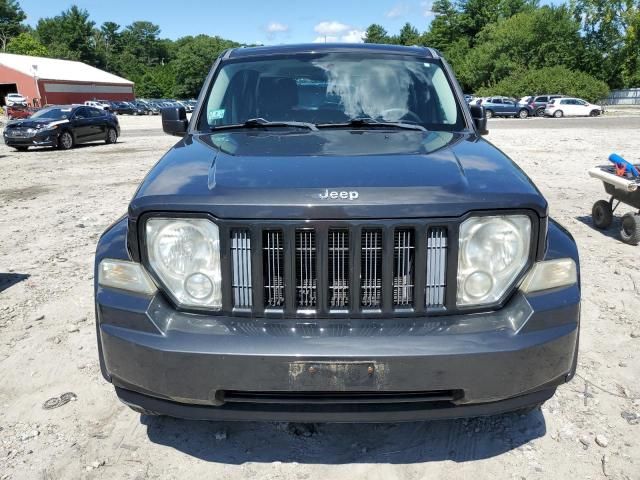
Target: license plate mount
x=335, y=376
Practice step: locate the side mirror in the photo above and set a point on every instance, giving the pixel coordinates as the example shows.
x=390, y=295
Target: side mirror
x=174, y=121
x=479, y=117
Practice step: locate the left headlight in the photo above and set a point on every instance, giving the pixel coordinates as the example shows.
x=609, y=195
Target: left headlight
x=493, y=251
x=185, y=255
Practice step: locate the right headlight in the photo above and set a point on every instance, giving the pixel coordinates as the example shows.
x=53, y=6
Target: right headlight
x=185, y=255
x=492, y=252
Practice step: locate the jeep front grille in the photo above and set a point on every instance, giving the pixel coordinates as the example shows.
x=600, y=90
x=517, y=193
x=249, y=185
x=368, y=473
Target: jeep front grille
x=241, y=255
x=371, y=270
x=338, y=268
x=273, y=268
x=306, y=277
x=403, y=248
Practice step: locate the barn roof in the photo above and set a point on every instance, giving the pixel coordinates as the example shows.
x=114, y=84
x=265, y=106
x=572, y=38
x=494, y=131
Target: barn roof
x=55, y=69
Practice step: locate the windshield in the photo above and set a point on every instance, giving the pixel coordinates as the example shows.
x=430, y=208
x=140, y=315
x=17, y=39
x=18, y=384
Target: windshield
x=331, y=89
x=53, y=114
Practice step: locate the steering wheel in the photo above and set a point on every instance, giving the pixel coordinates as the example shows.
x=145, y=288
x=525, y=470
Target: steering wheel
x=405, y=113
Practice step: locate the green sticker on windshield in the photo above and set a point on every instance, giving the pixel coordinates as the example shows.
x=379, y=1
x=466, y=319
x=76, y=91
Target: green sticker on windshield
x=215, y=115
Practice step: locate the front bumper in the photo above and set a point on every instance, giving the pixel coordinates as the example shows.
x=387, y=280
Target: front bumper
x=346, y=370
x=47, y=138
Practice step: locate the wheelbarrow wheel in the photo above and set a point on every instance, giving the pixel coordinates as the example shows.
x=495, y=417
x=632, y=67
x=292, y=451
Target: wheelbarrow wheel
x=630, y=231
x=602, y=214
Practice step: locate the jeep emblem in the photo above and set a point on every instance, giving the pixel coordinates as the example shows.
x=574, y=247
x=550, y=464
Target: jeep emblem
x=342, y=195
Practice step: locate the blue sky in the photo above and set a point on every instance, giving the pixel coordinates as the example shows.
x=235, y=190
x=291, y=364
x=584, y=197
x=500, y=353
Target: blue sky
x=251, y=21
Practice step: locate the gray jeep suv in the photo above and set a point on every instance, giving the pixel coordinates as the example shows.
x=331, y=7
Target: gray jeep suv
x=331, y=239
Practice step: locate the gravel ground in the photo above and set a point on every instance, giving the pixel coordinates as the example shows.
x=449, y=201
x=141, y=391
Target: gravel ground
x=53, y=207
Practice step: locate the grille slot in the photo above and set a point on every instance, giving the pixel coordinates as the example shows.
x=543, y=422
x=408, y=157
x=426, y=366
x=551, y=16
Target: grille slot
x=436, y=267
x=273, y=268
x=306, y=275
x=241, y=260
x=338, y=269
x=403, y=259
x=371, y=269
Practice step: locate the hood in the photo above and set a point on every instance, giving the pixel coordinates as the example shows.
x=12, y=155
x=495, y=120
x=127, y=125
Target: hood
x=333, y=174
x=33, y=123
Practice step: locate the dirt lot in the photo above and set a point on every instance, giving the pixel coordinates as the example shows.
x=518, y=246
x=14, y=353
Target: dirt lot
x=53, y=207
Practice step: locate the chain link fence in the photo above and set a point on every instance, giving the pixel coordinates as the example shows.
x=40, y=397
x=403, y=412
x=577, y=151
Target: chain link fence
x=629, y=96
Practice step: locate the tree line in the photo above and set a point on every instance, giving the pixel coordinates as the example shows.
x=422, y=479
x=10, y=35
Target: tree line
x=502, y=47
x=160, y=68
x=518, y=47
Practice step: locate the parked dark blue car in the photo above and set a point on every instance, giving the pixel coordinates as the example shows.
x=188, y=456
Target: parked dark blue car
x=506, y=107
x=62, y=126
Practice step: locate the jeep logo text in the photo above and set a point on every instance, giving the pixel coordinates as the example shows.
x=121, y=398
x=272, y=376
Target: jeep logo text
x=335, y=195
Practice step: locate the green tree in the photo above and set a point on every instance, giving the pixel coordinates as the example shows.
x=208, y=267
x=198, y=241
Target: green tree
x=11, y=18
x=26, y=44
x=108, y=43
x=69, y=35
x=631, y=48
x=477, y=14
x=376, y=34
x=445, y=28
x=550, y=79
x=409, y=35
x=193, y=61
x=610, y=36
x=547, y=36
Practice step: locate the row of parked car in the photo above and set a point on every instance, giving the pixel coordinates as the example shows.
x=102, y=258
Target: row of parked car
x=536, y=106
x=141, y=106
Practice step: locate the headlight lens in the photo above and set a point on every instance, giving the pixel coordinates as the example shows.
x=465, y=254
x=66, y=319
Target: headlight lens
x=185, y=254
x=492, y=253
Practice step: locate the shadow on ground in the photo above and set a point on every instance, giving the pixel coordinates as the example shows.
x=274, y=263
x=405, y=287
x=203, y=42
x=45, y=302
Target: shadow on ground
x=8, y=280
x=612, y=232
x=456, y=440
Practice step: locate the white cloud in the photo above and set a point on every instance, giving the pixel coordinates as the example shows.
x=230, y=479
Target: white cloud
x=331, y=28
x=353, y=36
x=399, y=10
x=331, y=32
x=427, y=5
x=277, y=27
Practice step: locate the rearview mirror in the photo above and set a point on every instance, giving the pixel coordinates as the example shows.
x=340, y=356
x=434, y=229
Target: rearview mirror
x=174, y=121
x=479, y=117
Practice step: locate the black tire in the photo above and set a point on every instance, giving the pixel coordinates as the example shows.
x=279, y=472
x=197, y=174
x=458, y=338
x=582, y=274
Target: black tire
x=112, y=136
x=65, y=141
x=21, y=149
x=540, y=112
x=594, y=113
x=489, y=113
x=558, y=114
x=630, y=229
x=524, y=113
x=602, y=214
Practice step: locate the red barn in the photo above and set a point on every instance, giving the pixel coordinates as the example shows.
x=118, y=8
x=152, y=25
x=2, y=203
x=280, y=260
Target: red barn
x=51, y=81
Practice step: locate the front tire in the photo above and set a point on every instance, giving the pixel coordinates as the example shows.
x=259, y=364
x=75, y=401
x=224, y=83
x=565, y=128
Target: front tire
x=594, y=113
x=558, y=114
x=21, y=149
x=489, y=114
x=540, y=112
x=65, y=141
x=630, y=229
x=112, y=136
x=602, y=214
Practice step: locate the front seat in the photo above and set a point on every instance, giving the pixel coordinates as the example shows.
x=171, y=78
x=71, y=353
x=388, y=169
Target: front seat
x=277, y=97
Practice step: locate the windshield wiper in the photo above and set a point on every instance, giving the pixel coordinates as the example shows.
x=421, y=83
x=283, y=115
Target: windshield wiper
x=262, y=123
x=370, y=122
